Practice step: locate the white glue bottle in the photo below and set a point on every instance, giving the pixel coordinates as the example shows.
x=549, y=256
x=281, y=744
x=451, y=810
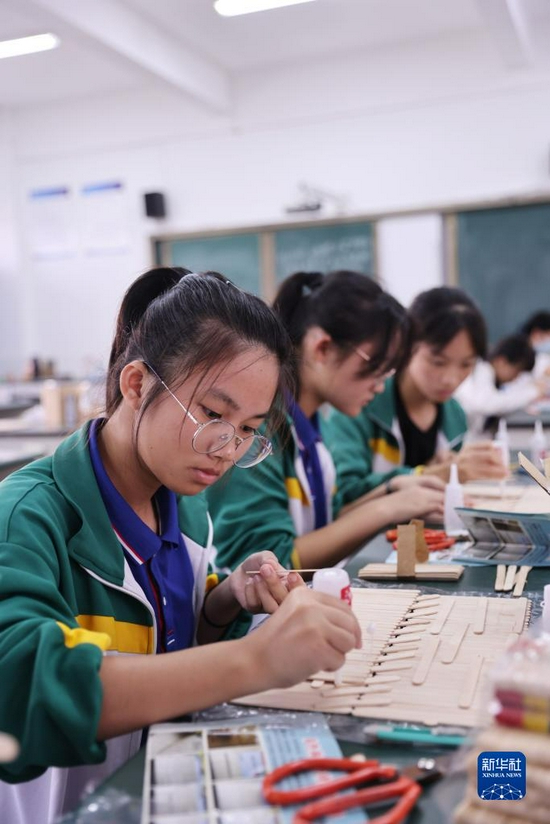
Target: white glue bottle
x=537, y=445
x=454, y=496
x=501, y=440
x=333, y=581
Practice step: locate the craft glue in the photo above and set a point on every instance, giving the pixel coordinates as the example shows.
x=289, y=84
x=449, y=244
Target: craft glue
x=454, y=496
x=537, y=445
x=333, y=581
x=502, y=441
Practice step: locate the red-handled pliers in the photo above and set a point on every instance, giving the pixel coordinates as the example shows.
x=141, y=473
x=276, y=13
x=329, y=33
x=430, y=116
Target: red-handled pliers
x=359, y=772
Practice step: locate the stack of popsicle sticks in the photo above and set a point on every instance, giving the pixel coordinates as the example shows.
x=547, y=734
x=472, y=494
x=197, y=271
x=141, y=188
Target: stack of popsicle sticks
x=425, y=659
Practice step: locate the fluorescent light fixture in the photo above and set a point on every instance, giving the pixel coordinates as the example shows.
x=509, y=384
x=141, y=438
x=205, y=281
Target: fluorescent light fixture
x=231, y=8
x=28, y=45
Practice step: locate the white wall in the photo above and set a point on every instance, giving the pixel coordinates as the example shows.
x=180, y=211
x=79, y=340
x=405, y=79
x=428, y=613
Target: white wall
x=417, y=127
x=409, y=252
x=12, y=285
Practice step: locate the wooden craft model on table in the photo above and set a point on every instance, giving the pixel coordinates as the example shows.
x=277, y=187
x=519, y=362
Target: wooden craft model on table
x=425, y=659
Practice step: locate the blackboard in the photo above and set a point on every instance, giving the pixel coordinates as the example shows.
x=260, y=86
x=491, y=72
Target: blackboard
x=236, y=256
x=503, y=262
x=259, y=259
x=324, y=248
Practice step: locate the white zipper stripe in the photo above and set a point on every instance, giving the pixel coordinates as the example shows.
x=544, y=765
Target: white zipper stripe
x=143, y=600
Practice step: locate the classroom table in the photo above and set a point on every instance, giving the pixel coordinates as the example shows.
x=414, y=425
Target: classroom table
x=439, y=799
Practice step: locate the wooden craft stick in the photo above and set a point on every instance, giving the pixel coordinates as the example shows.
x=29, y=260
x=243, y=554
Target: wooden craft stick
x=510, y=576
x=374, y=701
x=422, y=553
x=406, y=550
x=383, y=679
x=403, y=647
x=405, y=639
x=282, y=573
x=390, y=666
x=429, y=650
x=480, y=616
x=316, y=684
x=450, y=651
x=522, y=617
x=444, y=613
x=470, y=683
x=398, y=655
x=500, y=577
x=406, y=630
x=417, y=622
x=520, y=580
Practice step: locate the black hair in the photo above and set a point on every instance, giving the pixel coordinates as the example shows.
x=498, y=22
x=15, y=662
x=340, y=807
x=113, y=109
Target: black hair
x=177, y=322
x=517, y=350
x=537, y=321
x=350, y=307
x=439, y=314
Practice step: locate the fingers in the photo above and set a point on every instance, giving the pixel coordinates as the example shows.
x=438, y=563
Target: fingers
x=267, y=590
x=259, y=597
x=431, y=482
x=295, y=581
x=340, y=616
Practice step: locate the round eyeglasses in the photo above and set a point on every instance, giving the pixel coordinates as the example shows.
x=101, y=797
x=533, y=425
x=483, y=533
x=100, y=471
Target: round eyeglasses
x=211, y=436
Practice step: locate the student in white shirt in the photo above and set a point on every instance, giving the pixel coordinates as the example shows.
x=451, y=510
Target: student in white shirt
x=500, y=385
x=537, y=329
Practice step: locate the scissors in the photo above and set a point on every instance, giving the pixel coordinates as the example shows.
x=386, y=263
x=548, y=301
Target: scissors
x=397, y=786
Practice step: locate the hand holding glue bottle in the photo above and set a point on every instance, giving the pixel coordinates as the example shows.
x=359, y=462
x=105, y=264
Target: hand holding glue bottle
x=333, y=581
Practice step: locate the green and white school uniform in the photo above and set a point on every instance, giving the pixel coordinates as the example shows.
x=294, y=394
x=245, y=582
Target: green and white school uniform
x=369, y=449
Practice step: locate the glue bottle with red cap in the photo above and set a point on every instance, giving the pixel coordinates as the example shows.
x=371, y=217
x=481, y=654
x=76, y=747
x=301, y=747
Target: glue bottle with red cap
x=333, y=581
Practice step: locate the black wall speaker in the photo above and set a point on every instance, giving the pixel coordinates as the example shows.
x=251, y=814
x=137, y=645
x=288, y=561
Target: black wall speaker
x=155, y=205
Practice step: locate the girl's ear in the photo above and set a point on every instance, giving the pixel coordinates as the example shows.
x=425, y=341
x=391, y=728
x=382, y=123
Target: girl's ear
x=317, y=344
x=133, y=380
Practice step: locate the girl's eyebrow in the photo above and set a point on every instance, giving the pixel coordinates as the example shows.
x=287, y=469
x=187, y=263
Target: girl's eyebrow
x=229, y=401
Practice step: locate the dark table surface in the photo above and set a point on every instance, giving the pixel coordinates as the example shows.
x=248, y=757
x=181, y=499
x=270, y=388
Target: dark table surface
x=439, y=799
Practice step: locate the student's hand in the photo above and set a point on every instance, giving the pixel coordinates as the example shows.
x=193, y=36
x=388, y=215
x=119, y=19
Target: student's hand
x=311, y=631
x=418, y=501
x=481, y=461
x=265, y=591
x=410, y=481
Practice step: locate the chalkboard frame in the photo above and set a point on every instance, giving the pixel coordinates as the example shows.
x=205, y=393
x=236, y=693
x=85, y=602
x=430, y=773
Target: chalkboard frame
x=162, y=245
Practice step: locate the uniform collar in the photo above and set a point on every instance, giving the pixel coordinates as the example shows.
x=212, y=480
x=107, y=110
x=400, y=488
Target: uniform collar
x=307, y=429
x=142, y=539
x=93, y=544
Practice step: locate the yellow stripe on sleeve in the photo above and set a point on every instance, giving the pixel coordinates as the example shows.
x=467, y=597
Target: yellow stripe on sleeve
x=212, y=581
x=122, y=636
x=381, y=447
x=72, y=637
x=294, y=490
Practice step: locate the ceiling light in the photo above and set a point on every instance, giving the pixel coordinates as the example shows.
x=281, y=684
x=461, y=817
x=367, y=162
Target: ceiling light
x=231, y=8
x=28, y=45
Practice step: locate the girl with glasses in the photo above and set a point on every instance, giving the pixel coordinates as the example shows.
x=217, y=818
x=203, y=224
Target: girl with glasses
x=348, y=335
x=415, y=425
x=104, y=550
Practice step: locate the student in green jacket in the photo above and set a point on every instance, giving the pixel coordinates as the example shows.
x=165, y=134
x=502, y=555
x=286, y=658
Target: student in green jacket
x=104, y=553
x=414, y=424
x=348, y=334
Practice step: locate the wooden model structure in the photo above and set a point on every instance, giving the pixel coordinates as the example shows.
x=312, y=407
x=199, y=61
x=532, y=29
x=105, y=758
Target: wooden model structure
x=424, y=659
x=412, y=557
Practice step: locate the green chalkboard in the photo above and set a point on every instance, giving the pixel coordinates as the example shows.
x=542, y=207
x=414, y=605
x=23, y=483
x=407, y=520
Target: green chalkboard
x=503, y=258
x=261, y=257
x=324, y=248
x=237, y=256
